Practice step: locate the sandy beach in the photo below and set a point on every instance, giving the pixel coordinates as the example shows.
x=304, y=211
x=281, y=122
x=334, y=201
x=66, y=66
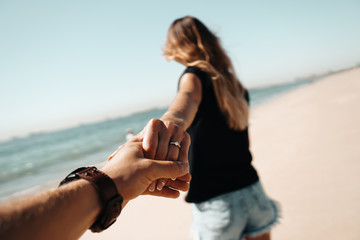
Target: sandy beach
x=306, y=147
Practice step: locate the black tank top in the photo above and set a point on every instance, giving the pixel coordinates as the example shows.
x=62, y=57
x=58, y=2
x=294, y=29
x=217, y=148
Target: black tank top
x=220, y=159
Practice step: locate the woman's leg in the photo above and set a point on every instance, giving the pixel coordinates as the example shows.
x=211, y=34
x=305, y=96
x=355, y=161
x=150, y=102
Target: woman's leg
x=221, y=217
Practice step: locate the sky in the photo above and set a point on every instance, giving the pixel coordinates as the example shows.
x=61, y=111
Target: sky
x=68, y=62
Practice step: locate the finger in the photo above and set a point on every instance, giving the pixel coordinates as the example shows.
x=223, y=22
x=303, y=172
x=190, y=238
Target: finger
x=184, y=150
x=160, y=184
x=185, y=178
x=138, y=137
x=163, y=145
x=173, y=152
x=152, y=186
x=166, y=192
x=178, y=185
x=157, y=169
x=176, y=138
x=150, y=137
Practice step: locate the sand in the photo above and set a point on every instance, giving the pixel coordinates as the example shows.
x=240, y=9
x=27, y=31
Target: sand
x=306, y=147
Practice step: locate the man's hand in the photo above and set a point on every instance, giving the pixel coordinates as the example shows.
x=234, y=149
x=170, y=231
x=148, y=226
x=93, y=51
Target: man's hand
x=134, y=170
x=133, y=173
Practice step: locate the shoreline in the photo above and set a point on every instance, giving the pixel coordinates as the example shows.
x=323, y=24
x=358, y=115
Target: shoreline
x=257, y=98
x=306, y=80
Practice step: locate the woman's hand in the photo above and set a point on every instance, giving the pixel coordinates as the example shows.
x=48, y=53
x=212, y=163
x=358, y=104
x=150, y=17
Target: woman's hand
x=165, y=141
x=133, y=173
x=155, y=144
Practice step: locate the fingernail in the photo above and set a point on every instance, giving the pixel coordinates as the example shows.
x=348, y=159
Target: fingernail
x=173, y=179
x=161, y=185
x=151, y=189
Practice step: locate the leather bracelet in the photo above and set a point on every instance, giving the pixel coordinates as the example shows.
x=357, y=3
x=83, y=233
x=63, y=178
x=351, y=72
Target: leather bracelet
x=109, y=195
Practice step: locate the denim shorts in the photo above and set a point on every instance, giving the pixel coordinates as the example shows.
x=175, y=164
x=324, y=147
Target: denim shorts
x=231, y=216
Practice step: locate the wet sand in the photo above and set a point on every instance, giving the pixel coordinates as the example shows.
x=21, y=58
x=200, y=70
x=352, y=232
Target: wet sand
x=306, y=147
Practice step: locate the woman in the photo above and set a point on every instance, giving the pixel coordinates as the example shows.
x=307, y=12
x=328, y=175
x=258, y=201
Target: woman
x=212, y=105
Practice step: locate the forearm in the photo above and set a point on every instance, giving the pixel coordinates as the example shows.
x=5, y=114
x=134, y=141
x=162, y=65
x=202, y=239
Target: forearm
x=185, y=105
x=64, y=213
x=181, y=111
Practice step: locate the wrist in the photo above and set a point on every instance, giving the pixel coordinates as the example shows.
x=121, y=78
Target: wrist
x=89, y=196
x=179, y=122
x=107, y=192
x=117, y=178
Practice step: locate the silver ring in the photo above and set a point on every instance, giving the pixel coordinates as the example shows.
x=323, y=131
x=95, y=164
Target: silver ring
x=177, y=144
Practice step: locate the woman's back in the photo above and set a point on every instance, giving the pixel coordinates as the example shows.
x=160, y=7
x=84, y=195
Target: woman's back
x=218, y=154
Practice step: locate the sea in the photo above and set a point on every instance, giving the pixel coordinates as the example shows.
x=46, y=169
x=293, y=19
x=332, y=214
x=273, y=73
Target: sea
x=40, y=161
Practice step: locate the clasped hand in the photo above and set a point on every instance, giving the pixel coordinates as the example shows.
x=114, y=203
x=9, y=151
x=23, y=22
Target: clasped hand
x=166, y=141
x=159, y=168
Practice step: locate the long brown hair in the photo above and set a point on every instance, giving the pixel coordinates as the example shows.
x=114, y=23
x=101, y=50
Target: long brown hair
x=191, y=43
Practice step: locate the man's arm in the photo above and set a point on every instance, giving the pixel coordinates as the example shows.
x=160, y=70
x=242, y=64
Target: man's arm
x=63, y=213
x=67, y=212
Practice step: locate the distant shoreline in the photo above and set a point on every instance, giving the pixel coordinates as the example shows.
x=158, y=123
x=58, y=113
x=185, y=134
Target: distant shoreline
x=307, y=79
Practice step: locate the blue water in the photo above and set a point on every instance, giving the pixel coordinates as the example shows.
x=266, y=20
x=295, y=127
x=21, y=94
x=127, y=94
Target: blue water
x=29, y=164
